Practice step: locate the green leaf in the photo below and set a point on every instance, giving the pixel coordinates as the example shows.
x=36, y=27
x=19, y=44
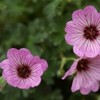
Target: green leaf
x=2, y=83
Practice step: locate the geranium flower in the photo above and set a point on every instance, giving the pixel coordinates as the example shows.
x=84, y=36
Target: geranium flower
x=83, y=32
x=23, y=70
x=87, y=75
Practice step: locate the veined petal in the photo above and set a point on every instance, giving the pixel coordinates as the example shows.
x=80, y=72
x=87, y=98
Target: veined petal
x=72, y=28
x=24, y=51
x=74, y=39
x=71, y=70
x=37, y=70
x=31, y=60
x=35, y=81
x=95, y=72
x=90, y=13
x=89, y=83
x=13, y=55
x=79, y=18
x=88, y=49
x=77, y=82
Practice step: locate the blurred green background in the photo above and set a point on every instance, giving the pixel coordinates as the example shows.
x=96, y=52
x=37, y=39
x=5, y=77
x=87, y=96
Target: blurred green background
x=39, y=26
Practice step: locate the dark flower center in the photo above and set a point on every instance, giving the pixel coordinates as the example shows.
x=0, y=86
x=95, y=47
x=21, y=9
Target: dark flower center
x=82, y=65
x=23, y=71
x=90, y=32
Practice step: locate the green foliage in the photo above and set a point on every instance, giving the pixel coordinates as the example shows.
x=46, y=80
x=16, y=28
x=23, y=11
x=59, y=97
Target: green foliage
x=39, y=26
x=2, y=83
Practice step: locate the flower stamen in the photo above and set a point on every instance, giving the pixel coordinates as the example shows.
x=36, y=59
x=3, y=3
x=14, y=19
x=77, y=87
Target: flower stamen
x=82, y=65
x=91, y=32
x=23, y=71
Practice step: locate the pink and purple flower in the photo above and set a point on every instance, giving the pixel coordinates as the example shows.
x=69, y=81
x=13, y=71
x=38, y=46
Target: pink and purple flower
x=83, y=32
x=23, y=70
x=87, y=75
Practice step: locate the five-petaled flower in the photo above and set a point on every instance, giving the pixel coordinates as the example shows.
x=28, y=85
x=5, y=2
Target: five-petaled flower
x=21, y=69
x=87, y=75
x=83, y=32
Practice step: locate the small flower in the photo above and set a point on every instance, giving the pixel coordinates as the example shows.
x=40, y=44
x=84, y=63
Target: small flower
x=83, y=32
x=23, y=70
x=87, y=75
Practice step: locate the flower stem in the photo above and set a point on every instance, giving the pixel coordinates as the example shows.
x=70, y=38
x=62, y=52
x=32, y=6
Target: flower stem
x=63, y=62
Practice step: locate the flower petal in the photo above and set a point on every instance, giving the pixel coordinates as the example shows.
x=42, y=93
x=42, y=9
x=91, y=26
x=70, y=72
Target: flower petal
x=43, y=64
x=24, y=51
x=90, y=13
x=89, y=83
x=24, y=84
x=4, y=64
x=88, y=49
x=72, y=28
x=95, y=86
x=11, y=77
x=71, y=70
x=77, y=82
x=94, y=70
x=79, y=18
x=74, y=39
x=85, y=91
x=35, y=81
x=13, y=55
x=31, y=60
x=37, y=70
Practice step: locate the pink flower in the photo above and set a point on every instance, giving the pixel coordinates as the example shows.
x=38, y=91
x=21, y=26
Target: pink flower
x=23, y=70
x=87, y=75
x=83, y=32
